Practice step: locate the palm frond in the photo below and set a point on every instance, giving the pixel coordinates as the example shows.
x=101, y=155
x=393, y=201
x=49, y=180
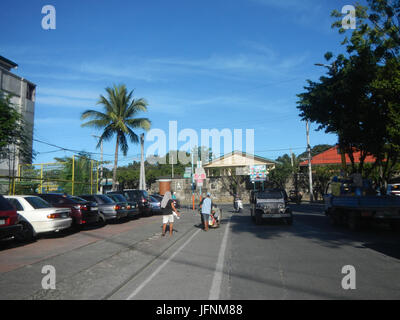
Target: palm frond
x=140, y=123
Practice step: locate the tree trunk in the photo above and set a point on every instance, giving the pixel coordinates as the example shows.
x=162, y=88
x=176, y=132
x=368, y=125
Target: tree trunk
x=114, y=185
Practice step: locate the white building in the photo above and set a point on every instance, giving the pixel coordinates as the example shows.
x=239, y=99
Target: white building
x=23, y=98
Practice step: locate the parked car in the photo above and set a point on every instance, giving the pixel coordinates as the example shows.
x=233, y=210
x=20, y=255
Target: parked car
x=270, y=204
x=160, y=197
x=82, y=211
x=141, y=197
x=155, y=204
x=108, y=208
x=393, y=189
x=38, y=216
x=9, y=223
x=157, y=196
x=131, y=207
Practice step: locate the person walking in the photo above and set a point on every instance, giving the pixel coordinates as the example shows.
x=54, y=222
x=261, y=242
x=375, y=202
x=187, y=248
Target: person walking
x=168, y=208
x=206, y=210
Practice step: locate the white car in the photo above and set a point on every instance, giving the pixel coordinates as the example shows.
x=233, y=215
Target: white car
x=38, y=216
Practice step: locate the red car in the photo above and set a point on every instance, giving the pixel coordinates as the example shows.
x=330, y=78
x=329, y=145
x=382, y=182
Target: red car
x=9, y=226
x=82, y=211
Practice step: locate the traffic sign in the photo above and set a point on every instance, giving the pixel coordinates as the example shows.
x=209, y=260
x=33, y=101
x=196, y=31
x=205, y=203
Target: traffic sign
x=199, y=176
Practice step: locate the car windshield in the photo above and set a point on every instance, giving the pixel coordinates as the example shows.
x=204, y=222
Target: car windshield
x=38, y=203
x=153, y=199
x=131, y=195
x=270, y=195
x=78, y=199
x=118, y=197
x=4, y=204
x=104, y=199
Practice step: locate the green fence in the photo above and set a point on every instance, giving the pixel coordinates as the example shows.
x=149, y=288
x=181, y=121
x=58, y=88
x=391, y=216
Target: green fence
x=78, y=175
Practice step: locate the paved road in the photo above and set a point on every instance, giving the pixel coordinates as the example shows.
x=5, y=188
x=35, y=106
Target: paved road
x=237, y=261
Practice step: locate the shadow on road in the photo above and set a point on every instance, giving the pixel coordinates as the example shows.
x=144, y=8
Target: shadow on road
x=311, y=223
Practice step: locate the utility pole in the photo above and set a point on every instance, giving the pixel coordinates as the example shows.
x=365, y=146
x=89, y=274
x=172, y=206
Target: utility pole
x=101, y=162
x=192, y=181
x=142, y=178
x=309, y=162
x=172, y=164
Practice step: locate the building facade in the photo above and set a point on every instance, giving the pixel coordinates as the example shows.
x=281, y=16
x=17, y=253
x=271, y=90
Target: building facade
x=22, y=94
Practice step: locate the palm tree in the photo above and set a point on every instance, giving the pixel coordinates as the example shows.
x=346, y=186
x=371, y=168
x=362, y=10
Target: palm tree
x=118, y=119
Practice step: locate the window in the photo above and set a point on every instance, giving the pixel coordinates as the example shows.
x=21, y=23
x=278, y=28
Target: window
x=5, y=204
x=30, y=92
x=37, y=203
x=104, y=199
x=16, y=204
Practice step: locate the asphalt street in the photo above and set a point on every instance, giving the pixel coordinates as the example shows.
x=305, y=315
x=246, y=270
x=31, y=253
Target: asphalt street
x=238, y=261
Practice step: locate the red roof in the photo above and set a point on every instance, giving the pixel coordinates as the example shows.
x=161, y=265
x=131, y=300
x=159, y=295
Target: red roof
x=332, y=156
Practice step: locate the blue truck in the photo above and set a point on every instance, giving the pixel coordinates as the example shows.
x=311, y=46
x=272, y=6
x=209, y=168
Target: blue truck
x=354, y=211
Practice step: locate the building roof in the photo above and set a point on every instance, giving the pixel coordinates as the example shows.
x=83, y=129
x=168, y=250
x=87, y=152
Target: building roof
x=332, y=156
x=7, y=64
x=238, y=159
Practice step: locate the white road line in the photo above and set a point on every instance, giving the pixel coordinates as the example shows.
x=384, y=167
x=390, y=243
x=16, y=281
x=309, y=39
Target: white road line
x=217, y=279
x=144, y=283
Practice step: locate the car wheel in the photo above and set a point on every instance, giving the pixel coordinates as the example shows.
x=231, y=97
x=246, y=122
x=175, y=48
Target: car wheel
x=354, y=222
x=27, y=233
x=258, y=218
x=102, y=221
x=395, y=226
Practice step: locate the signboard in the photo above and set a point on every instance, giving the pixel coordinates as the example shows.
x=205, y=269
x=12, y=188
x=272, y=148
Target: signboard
x=243, y=171
x=188, y=172
x=258, y=173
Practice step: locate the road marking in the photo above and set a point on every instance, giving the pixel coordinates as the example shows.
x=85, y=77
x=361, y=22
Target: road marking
x=145, y=282
x=217, y=279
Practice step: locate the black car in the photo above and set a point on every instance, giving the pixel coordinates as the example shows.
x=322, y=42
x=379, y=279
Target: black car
x=141, y=197
x=160, y=197
x=131, y=206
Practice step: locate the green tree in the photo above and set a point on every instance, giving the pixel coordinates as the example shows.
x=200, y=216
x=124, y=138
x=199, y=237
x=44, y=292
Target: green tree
x=358, y=99
x=14, y=141
x=118, y=118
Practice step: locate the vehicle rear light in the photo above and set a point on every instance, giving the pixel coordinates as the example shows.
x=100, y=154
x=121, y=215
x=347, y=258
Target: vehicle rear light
x=53, y=216
x=83, y=221
x=84, y=207
x=128, y=207
x=117, y=207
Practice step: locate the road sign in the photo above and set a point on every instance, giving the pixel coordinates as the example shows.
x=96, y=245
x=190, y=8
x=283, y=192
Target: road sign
x=188, y=172
x=199, y=176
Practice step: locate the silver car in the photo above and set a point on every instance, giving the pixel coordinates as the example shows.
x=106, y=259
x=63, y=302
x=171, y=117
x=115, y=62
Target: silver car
x=108, y=208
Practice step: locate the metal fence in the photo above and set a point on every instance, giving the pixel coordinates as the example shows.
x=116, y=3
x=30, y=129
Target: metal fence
x=77, y=175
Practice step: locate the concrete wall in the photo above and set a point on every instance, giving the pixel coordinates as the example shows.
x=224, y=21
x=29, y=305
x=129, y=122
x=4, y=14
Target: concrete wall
x=214, y=185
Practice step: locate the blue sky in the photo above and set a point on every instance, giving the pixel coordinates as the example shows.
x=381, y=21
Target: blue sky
x=207, y=64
